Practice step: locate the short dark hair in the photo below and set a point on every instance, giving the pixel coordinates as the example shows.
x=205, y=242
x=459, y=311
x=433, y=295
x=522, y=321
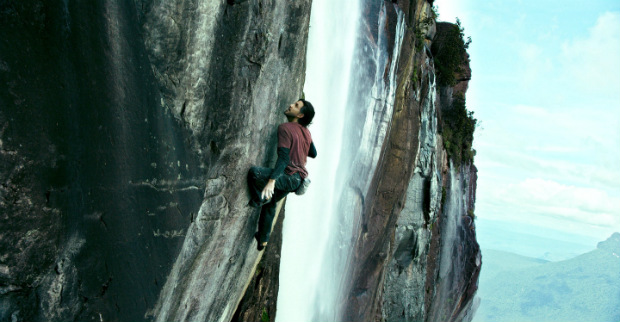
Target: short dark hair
x=308, y=111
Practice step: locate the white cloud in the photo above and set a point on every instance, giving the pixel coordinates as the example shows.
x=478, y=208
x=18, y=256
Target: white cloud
x=535, y=64
x=593, y=63
x=526, y=163
x=551, y=204
x=568, y=145
x=449, y=10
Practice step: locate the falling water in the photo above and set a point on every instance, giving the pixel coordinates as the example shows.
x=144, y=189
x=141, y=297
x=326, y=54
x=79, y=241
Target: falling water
x=331, y=42
x=347, y=84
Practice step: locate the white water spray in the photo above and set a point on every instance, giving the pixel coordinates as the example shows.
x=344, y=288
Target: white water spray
x=346, y=82
x=308, y=224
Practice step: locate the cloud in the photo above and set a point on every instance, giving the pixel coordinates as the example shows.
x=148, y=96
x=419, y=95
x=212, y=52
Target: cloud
x=551, y=204
x=449, y=10
x=568, y=145
x=507, y=163
x=534, y=63
x=592, y=63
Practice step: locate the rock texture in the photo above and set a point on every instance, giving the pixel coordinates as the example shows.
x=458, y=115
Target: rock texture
x=126, y=130
x=261, y=296
x=415, y=256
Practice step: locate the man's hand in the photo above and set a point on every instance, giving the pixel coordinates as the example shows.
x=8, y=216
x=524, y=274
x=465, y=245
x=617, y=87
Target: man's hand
x=268, y=190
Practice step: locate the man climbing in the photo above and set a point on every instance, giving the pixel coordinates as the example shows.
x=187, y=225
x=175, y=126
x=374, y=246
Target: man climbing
x=268, y=186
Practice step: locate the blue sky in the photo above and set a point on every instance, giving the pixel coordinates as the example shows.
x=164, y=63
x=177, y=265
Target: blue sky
x=546, y=91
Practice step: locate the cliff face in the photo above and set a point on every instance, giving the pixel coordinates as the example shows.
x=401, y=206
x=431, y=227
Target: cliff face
x=415, y=255
x=126, y=130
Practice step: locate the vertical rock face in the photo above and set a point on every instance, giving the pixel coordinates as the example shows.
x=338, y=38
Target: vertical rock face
x=415, y=255
x=126, y=130
x=261, y=296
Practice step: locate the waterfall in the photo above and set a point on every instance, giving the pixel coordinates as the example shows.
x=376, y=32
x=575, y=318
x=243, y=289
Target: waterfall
x=306, y=230
x=351, y=81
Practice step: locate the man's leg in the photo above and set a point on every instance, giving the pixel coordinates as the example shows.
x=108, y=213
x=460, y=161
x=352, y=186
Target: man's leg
x=267, y=213
x=284, y=185
x=257, y=180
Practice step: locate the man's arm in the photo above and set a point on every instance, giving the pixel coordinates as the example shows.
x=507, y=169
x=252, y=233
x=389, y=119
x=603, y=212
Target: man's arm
x=284, y=144
x=278, y=170
x=281, y=163
x=312, y=152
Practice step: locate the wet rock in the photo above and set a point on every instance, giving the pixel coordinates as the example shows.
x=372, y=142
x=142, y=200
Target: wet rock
x=414, y=258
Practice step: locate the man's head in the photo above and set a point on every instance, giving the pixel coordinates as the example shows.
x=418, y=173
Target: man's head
x=302, y=111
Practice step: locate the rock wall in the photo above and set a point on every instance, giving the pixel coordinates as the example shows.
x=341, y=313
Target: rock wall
x=415, y=256
x=126, y=130
x=261, y=297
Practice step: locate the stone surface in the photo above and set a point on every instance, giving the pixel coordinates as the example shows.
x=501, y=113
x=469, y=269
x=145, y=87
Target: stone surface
x=384, y=198
x=415, y=257
x=261, y=296
x=459, y=258
x=404, y=295
x=126, y=130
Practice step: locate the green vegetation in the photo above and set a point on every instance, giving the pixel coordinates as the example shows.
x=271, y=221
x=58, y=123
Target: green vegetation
x=458, y=131
x=450, y=52
x=421, y=28
x=419, y=38
x=264, y=316
x=415, y=78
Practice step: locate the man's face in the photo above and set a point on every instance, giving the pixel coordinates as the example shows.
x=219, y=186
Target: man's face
x=294, y=110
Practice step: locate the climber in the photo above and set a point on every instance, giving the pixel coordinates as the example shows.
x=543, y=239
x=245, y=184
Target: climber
x=268, y=186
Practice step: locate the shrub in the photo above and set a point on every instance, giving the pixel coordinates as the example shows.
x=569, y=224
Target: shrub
x=264, y=316
x=458, y=126
x=449, y=51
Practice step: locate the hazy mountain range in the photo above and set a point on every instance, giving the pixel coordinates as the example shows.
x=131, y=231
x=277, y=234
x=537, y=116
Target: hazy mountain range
x=522, y=289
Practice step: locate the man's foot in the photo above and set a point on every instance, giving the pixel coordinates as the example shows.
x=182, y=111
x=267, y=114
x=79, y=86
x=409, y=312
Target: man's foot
x=260, y=246
x=253, y=203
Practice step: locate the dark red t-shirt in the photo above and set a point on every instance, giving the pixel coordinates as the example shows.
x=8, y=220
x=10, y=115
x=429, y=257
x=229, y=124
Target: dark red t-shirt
x=297, y=138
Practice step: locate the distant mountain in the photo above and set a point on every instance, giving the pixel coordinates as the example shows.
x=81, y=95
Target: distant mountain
x=523, y=289
x=525, y=239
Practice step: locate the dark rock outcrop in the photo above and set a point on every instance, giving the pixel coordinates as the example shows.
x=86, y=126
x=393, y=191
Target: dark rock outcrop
x=126, y=130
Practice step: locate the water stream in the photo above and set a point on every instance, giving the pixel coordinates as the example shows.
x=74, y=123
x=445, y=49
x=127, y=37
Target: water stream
x=350, y=79
x=308, y=223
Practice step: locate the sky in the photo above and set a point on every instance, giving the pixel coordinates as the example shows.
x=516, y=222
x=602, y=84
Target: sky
x=545, y=89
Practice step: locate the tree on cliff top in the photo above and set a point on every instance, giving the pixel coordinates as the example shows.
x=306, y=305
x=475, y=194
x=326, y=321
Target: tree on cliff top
x=449, y=51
